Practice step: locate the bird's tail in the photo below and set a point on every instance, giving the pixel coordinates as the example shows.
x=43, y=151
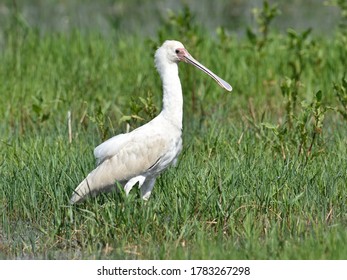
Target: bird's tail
x=81, y=192
x=97, y=181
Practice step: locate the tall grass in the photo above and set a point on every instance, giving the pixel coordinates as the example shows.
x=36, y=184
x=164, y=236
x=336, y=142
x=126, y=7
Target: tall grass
x=240, y=190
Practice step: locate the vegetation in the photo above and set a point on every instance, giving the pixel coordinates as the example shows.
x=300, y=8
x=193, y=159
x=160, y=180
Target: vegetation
x=262, y=174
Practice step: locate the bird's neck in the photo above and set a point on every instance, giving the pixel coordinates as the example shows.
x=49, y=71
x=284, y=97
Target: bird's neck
x=172, y=95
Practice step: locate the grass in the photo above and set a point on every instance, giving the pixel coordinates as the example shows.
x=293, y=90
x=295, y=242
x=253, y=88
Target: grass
x=241, y=189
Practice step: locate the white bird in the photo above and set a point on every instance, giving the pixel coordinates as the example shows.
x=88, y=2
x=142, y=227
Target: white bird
x=142, y=154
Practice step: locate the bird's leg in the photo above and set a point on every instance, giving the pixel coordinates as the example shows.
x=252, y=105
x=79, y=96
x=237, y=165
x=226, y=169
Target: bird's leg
x=129, y=185
x=147, y=187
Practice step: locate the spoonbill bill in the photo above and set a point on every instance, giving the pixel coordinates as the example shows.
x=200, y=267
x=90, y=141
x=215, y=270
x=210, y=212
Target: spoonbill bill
x=142, y=154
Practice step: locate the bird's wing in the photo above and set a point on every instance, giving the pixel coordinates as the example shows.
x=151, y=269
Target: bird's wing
x=110, y=147
x=130, y=155
x=138, y=156
x=133, y=159
x=114, y=145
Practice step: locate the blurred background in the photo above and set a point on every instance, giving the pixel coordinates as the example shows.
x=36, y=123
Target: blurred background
x=145, y=17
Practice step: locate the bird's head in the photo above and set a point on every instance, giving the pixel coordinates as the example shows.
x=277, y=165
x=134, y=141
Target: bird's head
x=172, y=52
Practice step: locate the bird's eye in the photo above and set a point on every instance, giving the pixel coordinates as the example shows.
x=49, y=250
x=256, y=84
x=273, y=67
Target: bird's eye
x=177, y=51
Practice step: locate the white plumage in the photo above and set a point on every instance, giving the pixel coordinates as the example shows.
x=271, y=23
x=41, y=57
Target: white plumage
x=142, y=154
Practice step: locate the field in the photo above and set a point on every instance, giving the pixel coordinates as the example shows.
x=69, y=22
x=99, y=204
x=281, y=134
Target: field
x=262, y=174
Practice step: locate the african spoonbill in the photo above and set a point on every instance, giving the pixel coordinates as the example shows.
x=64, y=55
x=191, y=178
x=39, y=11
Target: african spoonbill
x=142, y=154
